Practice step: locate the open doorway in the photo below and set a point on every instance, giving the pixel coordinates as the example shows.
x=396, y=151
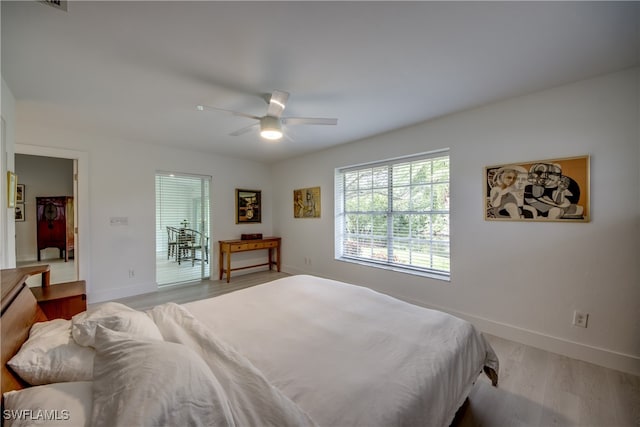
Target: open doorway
x=182, y=228
x=45, y=215
x=80, y=160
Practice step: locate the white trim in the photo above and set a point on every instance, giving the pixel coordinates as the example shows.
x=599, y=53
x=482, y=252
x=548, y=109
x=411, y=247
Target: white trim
x=393, y=160
x=167, y=204
x=575, y=350
x=81, y=202
x=4, y=210
x=432, y=274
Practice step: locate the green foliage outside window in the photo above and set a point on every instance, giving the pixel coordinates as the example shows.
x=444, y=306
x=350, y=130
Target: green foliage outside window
x=398, y=213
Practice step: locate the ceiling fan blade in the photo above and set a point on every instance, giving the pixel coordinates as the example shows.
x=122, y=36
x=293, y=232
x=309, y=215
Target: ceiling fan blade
x=308, y=121
x=244, y=130
x=235, y=113
x=277, y=103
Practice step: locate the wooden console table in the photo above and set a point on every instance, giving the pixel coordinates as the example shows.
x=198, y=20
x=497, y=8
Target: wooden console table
x=230, y=246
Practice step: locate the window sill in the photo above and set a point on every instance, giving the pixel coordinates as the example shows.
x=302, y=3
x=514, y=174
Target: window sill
x=431, y=275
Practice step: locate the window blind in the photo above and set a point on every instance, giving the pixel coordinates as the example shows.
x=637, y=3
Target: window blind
x=395, y=213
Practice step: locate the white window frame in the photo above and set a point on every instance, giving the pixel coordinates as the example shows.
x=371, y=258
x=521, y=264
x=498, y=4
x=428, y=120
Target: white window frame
x=435, y=262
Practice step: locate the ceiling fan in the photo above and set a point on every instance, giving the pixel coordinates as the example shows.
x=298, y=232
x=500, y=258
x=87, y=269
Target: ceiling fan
x=271, y=123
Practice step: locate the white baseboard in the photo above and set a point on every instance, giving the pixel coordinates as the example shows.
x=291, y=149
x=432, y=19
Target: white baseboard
x=575, y=350
x=94, y=297
x=587, y=353
x=292, y=270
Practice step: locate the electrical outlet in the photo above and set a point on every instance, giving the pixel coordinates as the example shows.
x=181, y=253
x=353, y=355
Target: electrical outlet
x=580, y=319
x=132, y=273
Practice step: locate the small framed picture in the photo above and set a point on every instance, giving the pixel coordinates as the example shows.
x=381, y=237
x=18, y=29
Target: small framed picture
x=19, y=212
x=306, y=203
x=20, y=195
x=248, y=206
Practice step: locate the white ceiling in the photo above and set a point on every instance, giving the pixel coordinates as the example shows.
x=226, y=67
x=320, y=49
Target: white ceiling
x=136, y=70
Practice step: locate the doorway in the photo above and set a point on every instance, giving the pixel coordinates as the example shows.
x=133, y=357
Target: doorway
x=182, y=228
x=42, y=179
x=52, y=172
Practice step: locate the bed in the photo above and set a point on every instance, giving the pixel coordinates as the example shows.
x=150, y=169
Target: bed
x=301, y=350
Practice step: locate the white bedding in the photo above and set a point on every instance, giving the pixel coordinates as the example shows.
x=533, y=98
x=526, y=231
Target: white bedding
x=349, y=356
x=251, y=399
x=295, y=352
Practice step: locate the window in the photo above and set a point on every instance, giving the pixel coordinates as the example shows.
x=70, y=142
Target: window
x=395, y=214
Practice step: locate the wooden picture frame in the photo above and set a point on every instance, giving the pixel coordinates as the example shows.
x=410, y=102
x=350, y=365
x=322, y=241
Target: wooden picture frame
x=248, y=206
x=542, y=190
x=12, y=182
x=306, y=202
x=20, y=194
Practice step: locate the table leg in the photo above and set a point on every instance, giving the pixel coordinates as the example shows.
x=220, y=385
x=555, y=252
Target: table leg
x=220, y=261
x=270, y=250
x=229, y=265
x=278, y=251
x=46, y=278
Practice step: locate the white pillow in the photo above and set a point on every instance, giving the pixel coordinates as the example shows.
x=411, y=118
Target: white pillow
x=114, y=316
x=61, y=404
x=50, y=355
x=153, y=383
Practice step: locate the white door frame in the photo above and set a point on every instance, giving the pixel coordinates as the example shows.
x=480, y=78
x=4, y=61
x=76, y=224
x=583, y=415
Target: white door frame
x=5, y=260
x=80, y=202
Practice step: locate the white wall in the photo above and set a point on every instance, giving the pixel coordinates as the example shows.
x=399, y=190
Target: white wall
x=518, y=280
x=41, y=176
x=121, y=177
x=7, y=223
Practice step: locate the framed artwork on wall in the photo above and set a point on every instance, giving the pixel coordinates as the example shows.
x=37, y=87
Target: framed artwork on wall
x=20, y=212
x=306, y=203
x=248, y=206
x=20, y=195
x=540, y=190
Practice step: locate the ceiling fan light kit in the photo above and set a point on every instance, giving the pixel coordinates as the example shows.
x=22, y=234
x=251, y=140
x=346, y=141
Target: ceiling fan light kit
x=270, y=128
x=271, y=123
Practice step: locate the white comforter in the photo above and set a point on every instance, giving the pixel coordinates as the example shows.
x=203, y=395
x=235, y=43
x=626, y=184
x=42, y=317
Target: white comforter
x=349, y=356
x=251, y=400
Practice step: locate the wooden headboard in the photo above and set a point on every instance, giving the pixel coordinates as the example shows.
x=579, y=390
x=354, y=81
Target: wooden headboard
x=19, y=312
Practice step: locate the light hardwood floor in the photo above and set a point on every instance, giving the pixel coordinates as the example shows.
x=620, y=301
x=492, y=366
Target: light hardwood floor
x=536, y=388
x=539, y=388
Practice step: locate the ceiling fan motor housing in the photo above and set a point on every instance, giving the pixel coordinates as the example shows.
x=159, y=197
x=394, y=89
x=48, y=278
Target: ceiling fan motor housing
x=270, y=127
